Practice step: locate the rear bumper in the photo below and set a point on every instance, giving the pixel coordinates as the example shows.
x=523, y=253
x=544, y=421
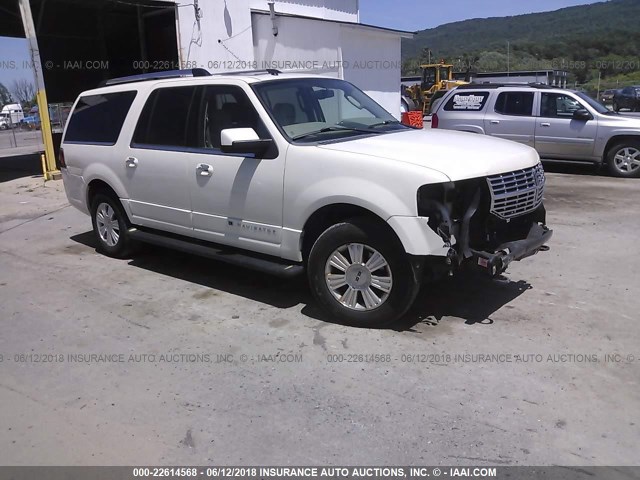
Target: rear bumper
x=494, y=263
x=76, y=190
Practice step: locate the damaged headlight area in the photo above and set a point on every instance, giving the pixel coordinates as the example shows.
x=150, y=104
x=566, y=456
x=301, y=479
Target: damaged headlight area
x=463, y=214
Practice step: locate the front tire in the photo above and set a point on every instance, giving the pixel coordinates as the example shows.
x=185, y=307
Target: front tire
x=110, y=226
x=624, y=159
x=616, y=107
x=359, y=273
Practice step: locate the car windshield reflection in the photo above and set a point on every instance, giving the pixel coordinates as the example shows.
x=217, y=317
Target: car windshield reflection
x=320, y=109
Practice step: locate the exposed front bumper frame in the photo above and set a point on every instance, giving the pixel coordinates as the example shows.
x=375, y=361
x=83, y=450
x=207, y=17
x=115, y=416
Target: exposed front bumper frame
x=497, y=262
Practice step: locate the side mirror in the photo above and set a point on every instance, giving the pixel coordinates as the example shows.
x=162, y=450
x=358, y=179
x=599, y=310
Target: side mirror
x=243, y=140
x=582, y=114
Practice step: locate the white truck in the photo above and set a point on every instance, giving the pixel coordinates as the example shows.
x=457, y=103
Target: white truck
x=288, y=173
x=11, y=115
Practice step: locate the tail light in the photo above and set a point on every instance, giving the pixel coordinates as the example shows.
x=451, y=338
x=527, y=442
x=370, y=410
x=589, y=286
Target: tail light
x=63, y=164
x=435, y=121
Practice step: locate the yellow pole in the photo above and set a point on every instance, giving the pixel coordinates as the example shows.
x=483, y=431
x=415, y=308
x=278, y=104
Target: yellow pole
x=49, y=170
x=49, y=155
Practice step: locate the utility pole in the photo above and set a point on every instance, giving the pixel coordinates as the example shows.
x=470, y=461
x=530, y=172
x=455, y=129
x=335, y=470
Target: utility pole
x=508, y=58
x=49, y=163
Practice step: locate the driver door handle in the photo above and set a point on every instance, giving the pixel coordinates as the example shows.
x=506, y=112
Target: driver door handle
x=545, y=124
x=495, y=122
x=132, y=162
x=204, y=170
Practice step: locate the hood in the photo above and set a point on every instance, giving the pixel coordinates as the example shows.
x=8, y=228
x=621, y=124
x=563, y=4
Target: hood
x=458, y=155
x=621, y=121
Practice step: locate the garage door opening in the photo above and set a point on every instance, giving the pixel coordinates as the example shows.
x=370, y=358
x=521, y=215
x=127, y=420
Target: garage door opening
x=83, y=42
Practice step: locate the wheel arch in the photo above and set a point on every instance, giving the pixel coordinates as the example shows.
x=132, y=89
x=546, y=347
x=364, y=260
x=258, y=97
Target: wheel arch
x=96, y=186
x=468, y=128
x=334, y=213
x=615, y=140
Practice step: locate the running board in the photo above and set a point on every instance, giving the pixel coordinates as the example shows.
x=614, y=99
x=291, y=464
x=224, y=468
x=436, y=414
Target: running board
x=259, y=263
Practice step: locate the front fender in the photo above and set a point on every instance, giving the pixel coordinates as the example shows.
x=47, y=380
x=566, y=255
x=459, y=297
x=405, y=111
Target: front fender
x=381, y=201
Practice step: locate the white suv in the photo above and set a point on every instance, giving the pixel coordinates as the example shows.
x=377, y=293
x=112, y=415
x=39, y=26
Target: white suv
x=283, y=172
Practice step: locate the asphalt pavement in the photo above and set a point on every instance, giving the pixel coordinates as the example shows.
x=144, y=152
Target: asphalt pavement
x=166, y=358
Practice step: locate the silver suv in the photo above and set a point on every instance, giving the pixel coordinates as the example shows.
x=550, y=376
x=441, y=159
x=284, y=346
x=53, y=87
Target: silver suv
x=560, y=124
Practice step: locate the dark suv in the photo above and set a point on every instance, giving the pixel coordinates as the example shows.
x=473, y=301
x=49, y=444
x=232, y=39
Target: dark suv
x=628, y=97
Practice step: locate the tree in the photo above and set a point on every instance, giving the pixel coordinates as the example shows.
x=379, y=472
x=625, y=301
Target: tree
x=5, y=96
x=23, y=90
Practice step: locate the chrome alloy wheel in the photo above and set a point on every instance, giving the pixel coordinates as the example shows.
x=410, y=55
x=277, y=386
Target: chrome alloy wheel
x=108, y=226
x=627, y=159
x=359, y=277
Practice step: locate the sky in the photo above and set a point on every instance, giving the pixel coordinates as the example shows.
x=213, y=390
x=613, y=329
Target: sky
x=412, y=15
x=14, y=53
x=408, y=15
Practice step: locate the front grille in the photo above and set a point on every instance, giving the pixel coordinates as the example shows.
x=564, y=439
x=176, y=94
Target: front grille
x=516, y=193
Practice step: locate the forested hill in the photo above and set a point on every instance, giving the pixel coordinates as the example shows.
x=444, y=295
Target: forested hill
x=601, y=36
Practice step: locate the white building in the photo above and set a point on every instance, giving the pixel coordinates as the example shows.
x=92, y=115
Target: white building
x=315, y=36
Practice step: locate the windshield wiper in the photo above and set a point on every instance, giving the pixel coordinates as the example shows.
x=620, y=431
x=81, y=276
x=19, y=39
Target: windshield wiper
x=332, y=129
x=386, y=122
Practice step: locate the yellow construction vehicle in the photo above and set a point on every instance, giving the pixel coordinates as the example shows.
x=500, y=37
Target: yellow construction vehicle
x=437, y=79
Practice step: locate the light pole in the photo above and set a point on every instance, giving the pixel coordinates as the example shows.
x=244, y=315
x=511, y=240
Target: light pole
x=508, y=58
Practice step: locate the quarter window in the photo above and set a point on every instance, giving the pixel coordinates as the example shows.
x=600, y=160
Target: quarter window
x=515, y=103
x=98, y=119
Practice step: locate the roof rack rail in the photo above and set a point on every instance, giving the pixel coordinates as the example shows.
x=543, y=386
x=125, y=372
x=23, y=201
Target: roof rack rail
x=163, y=75
x=502, y=84
x=270, y=71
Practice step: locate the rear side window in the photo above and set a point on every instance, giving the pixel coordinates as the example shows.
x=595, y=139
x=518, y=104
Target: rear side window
x=515, y=103
x=98, y=119
x=166, y=119
x=467, y=102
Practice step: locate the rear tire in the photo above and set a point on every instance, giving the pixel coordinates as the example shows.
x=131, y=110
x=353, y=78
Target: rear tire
x=623, y=159
x=110, y=226
x=359, y=273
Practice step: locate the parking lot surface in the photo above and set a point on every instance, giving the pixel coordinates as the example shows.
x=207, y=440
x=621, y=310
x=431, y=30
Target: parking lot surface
x=171, y=359
x=20, y=140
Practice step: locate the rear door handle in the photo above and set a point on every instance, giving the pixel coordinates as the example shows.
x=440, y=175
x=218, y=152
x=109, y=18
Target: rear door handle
x=545, y=124
x=495, y=122
x=204, y=170
x=132, y=162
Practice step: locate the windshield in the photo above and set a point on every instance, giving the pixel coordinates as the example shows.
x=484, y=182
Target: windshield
x=596, y=105
x=319, y=109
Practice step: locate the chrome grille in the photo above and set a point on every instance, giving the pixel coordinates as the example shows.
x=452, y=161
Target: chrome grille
x=516, y=193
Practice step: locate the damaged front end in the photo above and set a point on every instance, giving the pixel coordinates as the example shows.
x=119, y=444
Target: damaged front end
x=488, y=222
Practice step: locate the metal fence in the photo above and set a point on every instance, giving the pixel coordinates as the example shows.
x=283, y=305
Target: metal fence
x=27, y=134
